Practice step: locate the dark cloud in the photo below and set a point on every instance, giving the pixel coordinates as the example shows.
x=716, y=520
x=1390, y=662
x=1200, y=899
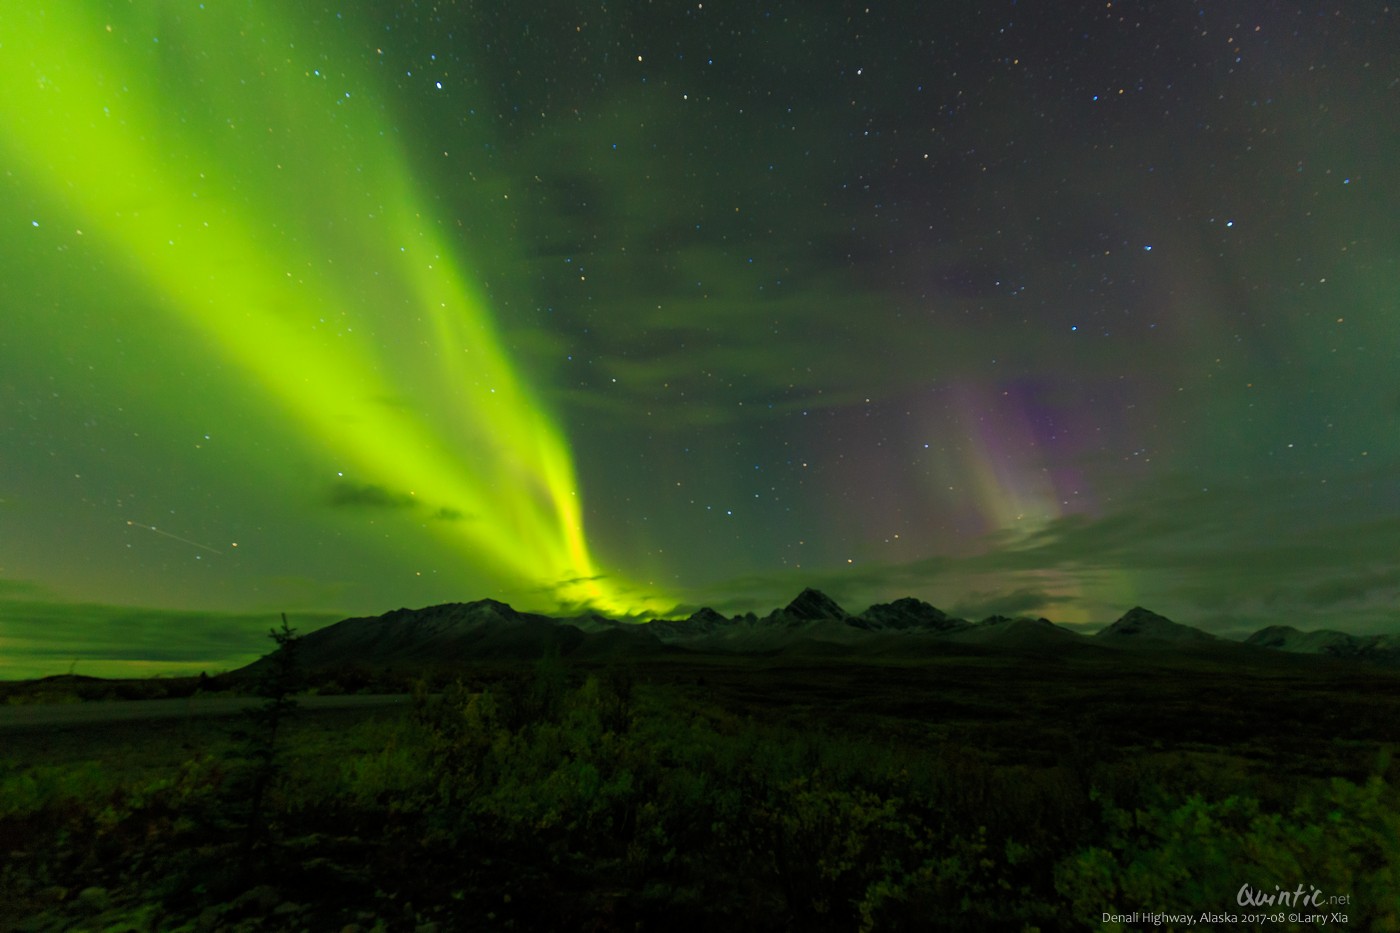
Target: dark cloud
x=1365, y=587
x=368, y=496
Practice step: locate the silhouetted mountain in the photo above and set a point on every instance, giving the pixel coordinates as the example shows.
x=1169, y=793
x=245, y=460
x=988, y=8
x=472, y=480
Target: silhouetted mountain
x=1139, y=626
x=1381, y=649
x=700, y=624
x=813, y=623
x=811, y=605
x=1020, y=634
x=592, y=622
x=1288, y=638
x=442, y=635
x=811, y=618
x=906, y=614
x=707, y=616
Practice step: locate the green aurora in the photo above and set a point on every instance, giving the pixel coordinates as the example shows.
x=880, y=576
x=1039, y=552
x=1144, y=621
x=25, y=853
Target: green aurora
x=220, y=219
x=348, y=308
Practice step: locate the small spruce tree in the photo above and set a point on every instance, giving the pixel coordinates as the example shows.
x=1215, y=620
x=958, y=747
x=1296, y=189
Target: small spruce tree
x=277, y=683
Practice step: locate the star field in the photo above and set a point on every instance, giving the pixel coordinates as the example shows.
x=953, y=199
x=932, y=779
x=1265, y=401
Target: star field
x=1015, y=309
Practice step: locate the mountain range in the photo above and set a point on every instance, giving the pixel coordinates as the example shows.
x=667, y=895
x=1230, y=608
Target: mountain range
x=488, y=630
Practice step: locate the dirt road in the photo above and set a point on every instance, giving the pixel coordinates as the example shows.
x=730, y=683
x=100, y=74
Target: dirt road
x=38, y=716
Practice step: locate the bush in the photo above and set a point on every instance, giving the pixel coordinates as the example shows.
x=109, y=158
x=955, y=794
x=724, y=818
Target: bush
x=1342, y=839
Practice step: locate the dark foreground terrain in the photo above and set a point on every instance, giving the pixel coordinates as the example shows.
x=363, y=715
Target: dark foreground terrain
x=978, y=790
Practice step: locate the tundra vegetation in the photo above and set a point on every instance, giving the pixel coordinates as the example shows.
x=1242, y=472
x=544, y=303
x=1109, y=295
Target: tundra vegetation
x=976, y=792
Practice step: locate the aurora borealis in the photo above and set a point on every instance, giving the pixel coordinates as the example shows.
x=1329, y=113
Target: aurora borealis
x=334, y=309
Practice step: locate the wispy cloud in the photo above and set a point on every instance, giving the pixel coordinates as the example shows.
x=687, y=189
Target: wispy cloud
x=1205, y=557
x=1021, y=602
x=40, y=637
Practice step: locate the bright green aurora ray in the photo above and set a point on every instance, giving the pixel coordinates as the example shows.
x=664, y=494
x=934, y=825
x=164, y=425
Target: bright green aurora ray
x=224, y=160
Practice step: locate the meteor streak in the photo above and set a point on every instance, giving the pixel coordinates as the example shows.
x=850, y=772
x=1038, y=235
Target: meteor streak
x=211, y=550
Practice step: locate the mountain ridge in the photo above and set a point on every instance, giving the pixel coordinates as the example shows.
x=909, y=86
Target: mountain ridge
x=489, y=630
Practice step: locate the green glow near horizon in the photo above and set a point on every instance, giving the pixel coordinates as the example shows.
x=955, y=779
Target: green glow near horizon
x=208, y=151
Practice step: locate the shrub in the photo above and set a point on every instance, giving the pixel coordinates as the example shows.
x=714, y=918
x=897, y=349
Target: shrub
x=1343, y=839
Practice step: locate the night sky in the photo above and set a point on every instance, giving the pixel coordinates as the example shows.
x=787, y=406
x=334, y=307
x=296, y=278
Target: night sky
x=1046, y=309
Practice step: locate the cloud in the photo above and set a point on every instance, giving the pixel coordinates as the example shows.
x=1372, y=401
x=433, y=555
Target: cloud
x=371, y=496
x=1365, y=587
x=780, y=303
x=1218, y=559
x=22, y=589
x=557, y=600
x=1243, y=558
x=1020, y=602
x=47, y=637
x=368, y=496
